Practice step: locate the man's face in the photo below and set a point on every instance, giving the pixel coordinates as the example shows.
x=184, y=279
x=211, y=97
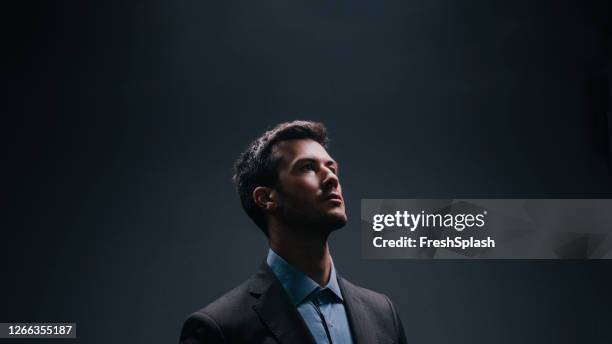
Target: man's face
x=308, y=188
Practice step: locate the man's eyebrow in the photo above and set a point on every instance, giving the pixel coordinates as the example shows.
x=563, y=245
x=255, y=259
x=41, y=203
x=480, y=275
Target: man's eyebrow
x=313, y=159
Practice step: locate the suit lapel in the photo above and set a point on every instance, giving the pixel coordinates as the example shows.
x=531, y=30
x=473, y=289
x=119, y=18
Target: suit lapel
x=276, y=311
x=361, y=327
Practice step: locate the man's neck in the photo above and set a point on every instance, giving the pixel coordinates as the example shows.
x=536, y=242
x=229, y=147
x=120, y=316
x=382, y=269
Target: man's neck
x=310, y=255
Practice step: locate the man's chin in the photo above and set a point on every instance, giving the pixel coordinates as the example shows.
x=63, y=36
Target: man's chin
x=336, y=221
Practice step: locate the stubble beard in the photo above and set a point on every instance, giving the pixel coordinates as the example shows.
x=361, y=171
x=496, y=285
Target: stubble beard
x=306, y=216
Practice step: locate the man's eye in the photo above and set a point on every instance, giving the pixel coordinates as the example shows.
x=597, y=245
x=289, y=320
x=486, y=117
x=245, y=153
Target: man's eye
x=308, y=167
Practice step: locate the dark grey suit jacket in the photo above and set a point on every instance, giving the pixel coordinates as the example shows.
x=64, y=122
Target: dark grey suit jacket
x=259, y=311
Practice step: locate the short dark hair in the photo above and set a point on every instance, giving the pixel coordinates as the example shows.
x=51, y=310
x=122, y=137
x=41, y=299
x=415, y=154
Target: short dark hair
x=258, y=166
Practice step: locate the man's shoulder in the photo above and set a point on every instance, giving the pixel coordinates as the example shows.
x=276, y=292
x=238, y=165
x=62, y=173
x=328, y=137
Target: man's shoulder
x=226, y=316
x=227, y=306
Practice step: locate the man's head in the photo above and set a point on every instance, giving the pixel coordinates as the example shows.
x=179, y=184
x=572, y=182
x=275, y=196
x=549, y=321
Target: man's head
x=287, y=176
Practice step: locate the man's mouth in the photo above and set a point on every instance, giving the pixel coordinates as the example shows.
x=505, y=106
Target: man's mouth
x=333, y=197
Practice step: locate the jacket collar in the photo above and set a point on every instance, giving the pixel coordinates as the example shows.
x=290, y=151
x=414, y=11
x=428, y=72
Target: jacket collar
x=276, y=310
x=357, y=314
x=281, y=317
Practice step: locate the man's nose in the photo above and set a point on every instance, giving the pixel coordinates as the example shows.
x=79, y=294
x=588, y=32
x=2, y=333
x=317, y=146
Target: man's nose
x=330, y=180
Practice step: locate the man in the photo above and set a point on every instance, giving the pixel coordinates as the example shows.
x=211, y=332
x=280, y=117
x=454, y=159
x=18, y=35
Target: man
x=288, y=185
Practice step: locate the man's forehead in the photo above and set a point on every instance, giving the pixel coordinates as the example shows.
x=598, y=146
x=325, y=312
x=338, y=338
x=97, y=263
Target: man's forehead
x=291, y=150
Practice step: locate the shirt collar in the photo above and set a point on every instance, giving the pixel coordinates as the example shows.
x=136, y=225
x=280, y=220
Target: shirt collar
x=297, y=285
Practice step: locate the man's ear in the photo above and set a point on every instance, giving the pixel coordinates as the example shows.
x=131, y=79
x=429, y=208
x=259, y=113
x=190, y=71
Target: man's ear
x=265, y=197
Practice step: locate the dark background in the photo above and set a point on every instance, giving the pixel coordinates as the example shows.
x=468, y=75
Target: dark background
x=121, y=121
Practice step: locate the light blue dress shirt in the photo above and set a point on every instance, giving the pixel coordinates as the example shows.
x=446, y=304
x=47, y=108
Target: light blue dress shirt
x=321, y=308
